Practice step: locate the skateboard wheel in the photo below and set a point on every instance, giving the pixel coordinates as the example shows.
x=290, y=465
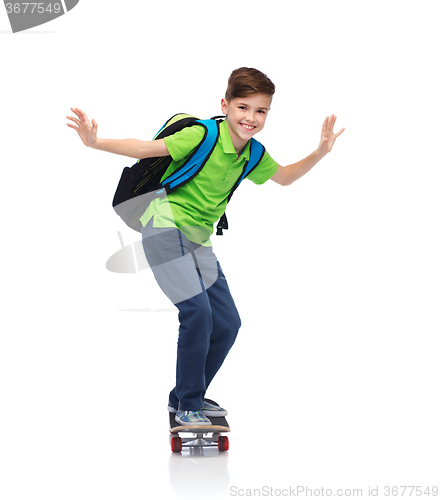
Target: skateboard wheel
x=176, y=444
x=223, y=443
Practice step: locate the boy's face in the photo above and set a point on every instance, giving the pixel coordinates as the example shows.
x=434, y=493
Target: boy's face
x=245, y=117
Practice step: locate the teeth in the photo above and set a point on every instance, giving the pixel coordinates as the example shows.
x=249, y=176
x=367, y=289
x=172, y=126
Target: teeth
x=247, y=127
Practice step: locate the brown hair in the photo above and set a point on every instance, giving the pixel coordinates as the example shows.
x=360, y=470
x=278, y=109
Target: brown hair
x=244, y=82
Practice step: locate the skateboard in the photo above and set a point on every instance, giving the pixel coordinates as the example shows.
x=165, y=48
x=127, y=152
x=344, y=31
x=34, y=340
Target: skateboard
x=203, y=435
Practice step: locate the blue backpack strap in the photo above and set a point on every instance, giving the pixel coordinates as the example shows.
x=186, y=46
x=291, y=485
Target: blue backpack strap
x=256, y=155
x=257, y=151
x=197, y=160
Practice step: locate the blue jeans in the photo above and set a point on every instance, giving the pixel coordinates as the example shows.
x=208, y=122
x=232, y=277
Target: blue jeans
x=191, y=277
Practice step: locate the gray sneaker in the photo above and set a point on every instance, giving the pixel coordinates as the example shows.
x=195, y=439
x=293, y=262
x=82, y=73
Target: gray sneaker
x=213, y=410
x=191, y=418
x=209, y=410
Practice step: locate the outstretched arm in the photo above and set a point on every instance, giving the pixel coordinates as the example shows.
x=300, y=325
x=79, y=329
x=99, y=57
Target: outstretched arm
x=286, y=175
x=127, y=147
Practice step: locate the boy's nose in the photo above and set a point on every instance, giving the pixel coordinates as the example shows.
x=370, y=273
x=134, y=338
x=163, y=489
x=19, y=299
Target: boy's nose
x=250, y=116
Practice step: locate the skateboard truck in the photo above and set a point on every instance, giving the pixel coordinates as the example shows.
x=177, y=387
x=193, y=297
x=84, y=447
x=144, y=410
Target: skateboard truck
x=199, y=440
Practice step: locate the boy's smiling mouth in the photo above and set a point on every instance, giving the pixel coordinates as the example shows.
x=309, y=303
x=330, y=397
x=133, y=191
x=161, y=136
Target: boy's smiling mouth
x=247, y=127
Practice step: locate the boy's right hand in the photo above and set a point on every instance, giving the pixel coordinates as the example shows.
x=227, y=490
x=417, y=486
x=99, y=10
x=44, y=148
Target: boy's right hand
x=86, y=130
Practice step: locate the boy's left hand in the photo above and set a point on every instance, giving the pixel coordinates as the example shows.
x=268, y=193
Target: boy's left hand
x=328, y=137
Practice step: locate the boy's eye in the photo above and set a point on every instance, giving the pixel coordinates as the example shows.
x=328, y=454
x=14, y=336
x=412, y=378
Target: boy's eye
x=241, y=107
x=262, y=111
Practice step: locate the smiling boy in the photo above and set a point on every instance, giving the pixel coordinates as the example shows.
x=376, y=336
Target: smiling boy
x=176, y=230
x=245, y=117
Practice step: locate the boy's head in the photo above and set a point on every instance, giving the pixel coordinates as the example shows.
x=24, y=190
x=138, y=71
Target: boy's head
x=246, y=104
x=244, y=82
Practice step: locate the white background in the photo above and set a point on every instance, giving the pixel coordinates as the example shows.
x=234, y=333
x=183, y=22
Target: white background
x=333, y=381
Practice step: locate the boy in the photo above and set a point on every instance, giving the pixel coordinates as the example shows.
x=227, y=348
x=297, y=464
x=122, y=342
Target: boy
x=176, y=230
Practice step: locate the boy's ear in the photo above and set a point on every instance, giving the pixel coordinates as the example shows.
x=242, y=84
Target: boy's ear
x=224, y=104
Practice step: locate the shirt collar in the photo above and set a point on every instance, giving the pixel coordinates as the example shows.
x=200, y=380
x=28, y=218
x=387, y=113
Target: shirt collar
x=228, y=147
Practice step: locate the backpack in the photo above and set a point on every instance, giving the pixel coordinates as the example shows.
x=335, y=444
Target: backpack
x=142, y=182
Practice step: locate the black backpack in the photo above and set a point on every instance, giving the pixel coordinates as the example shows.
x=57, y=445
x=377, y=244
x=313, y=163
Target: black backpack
x=143, y=182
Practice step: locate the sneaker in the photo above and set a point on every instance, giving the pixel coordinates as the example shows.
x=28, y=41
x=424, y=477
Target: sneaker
x=208, y=409
x=191, y=418
x=211, y=410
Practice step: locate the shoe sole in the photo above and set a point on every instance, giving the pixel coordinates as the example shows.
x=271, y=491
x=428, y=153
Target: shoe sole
x=206, y=413
x=195, y=424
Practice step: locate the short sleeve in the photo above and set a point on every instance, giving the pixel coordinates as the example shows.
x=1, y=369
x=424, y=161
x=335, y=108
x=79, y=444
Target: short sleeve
x=264, y=170
x=182, y=143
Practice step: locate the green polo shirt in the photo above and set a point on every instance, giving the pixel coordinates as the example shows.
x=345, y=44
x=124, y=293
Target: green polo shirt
x=197, y=205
